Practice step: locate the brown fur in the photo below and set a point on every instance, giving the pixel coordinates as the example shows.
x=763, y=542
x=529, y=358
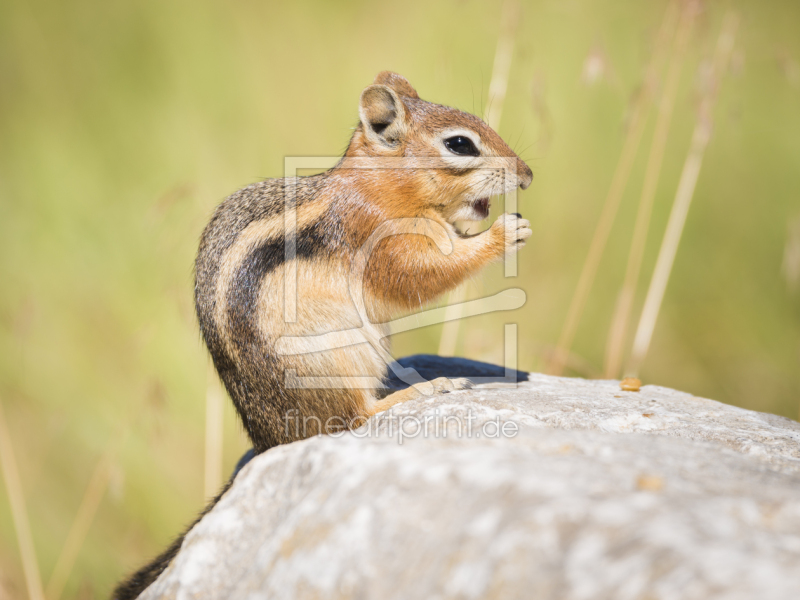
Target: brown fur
x=371, y=240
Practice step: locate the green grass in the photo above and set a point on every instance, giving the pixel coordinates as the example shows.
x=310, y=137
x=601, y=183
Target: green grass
x=123, y=124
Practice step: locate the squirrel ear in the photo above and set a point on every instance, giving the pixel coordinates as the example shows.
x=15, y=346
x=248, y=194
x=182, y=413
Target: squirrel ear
x=382, y=114
x=397, y=82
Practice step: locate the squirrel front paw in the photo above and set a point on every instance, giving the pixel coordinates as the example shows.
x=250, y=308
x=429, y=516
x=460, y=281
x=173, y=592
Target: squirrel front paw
x=513, y=230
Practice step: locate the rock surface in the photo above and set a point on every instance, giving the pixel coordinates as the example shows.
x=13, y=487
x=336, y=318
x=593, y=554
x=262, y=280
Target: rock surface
x=585, y=492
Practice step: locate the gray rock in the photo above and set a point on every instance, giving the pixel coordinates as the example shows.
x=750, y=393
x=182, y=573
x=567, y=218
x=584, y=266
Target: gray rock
x=588, y=493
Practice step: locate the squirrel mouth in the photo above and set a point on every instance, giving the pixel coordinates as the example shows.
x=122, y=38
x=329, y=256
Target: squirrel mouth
x=481, y=207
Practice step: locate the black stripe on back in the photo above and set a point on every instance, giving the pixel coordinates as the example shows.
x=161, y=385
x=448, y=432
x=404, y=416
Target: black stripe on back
x=245, y=288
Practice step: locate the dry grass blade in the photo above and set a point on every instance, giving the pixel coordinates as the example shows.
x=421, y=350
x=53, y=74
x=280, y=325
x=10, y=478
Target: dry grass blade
x=19, y=512
x=619, y=323
x=790, y=268
x=80, y=526
x=95, y=491
x=497, y=94
x=683, y=197
x=575, y=363
x=611, y=205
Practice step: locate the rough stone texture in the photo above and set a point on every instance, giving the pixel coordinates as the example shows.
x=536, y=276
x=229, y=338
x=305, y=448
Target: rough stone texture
x=600, y=494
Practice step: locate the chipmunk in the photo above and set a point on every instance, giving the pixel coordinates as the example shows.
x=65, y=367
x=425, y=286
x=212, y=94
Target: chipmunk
x=371, y=237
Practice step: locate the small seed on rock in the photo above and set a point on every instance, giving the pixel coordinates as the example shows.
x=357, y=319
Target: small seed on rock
x=630, y=384
x=649, y=483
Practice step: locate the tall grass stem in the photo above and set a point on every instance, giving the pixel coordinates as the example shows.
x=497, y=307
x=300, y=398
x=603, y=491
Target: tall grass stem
x=619, y=182
x=19, y=512
x=683, y=198
x=619, y=322
x=80, y=526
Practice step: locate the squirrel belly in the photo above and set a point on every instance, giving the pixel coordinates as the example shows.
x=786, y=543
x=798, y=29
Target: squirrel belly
x=296, y=279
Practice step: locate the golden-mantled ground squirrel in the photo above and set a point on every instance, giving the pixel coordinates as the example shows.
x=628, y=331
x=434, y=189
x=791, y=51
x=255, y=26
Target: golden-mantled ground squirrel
x=284, y=262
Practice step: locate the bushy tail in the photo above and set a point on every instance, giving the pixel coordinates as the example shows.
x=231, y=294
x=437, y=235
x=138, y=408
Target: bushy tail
x=139, y=581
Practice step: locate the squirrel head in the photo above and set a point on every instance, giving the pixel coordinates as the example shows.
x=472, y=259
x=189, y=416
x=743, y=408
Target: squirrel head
x=462, y=161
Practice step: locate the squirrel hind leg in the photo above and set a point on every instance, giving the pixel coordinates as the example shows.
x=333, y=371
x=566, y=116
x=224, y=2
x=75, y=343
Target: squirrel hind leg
x=440, y=385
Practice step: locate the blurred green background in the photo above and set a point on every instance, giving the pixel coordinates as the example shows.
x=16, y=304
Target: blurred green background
x=122, y=125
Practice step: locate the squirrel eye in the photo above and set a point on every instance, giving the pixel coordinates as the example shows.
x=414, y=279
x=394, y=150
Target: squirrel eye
x=461, y=145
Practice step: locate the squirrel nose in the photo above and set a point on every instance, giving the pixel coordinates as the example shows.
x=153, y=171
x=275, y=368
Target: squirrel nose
x=525, y=175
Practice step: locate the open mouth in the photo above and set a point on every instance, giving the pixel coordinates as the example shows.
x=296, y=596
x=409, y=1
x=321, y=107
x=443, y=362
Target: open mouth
x=481, y=207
